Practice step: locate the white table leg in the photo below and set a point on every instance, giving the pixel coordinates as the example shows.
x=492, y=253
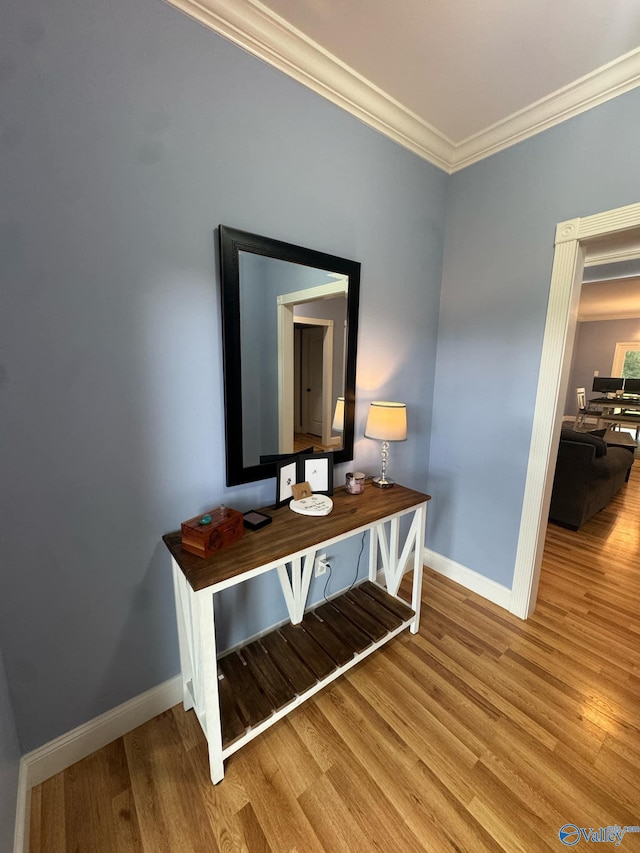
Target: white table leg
x=416, y=597
x=296, y=588
x=185, y=632
x=208, y=689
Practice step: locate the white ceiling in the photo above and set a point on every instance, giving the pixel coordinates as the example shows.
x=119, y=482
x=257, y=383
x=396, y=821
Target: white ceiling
x=452, y=80
x=616, y=299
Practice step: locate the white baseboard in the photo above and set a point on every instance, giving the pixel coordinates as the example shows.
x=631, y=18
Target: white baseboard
x=491, y=590
x=487, y=588
x=58, y=754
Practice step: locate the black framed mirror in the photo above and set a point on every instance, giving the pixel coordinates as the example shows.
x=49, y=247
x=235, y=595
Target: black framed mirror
x=289, y=336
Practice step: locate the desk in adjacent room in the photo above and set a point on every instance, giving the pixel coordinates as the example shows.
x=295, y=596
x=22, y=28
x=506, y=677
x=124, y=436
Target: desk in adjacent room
x=618, y=410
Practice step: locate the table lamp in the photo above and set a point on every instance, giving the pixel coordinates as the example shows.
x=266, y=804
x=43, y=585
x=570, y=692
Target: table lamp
x=338, y=416
x=388, y=422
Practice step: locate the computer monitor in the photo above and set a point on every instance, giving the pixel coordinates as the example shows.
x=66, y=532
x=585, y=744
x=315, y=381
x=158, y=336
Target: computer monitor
x=631, y=386
x=607, y=384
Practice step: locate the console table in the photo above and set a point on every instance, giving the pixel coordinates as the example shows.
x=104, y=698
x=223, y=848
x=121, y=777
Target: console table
x=245, y=691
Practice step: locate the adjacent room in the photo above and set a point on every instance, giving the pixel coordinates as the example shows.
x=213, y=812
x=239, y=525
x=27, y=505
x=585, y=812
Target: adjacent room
x=446, y=170
x=599, y=438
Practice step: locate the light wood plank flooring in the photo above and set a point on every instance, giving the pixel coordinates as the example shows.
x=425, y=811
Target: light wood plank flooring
x=481, y=733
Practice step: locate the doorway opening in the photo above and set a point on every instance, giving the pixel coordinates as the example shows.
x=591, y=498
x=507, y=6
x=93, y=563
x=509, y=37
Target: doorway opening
x=611, y=236
x=313, y=382
x=325, y=349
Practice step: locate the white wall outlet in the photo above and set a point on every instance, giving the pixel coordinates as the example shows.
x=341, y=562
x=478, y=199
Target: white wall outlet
x=321, y=564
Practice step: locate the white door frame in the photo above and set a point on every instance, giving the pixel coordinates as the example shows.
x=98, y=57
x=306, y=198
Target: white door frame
x=573, y=240
x=286, y=302
x=327, y=371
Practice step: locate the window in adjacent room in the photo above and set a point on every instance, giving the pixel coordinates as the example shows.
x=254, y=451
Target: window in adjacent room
x=626, y=359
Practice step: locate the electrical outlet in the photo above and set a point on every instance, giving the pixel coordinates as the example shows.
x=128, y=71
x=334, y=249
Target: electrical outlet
x=321, y=564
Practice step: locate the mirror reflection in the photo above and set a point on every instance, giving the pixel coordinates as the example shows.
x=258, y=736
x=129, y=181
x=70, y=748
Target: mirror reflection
x=289, y=332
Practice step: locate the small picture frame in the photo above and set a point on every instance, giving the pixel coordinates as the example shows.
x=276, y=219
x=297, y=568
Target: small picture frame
x=286, y=477
x=301, y=491
x=317, y=470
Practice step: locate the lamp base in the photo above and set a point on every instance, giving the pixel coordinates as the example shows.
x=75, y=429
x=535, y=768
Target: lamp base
x=383, y=482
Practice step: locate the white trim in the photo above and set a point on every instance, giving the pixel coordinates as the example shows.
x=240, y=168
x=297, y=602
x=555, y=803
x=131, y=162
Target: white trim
x=266, y=35
x=23, y=812
x=487, y=588
x=596, y=258
x=572, y=238
x=257, y=29
x=314, y=294
x=552, y=387
x=620, y=315
x=607, y=82
x=58, y=754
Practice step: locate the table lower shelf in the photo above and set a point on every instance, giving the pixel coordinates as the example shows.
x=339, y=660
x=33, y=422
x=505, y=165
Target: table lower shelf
x=262, y=681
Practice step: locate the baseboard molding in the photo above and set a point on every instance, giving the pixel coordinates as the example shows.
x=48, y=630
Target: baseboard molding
x=487, y=588
x=58, y=754
x=491, y=590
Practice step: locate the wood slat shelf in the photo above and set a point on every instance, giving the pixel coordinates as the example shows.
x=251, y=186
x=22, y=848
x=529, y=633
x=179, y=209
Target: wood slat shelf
x=264, y=677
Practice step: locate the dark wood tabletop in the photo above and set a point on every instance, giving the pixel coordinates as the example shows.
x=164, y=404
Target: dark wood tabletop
x=291, y=533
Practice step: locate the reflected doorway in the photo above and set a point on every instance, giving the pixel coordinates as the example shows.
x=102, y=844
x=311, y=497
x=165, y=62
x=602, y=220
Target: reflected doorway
x=310, y=356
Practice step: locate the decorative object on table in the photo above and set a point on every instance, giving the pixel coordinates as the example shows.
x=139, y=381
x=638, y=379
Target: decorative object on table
x=287, y=476
x=386, y=422
x=301, y=490
x=338, y=416
x=314, y=469
x=254, y=520
x=355, y=482
x=207, y=533
x=317, y=470
x=314, y=505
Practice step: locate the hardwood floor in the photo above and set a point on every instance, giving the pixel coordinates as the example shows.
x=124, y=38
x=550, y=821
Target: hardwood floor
x=304, y=440
x=481, y=733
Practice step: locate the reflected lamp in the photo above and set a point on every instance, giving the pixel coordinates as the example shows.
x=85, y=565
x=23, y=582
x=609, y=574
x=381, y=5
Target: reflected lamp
x=338, y=416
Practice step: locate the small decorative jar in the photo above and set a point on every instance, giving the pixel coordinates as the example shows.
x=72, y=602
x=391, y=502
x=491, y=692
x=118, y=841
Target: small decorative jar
x=355, y=482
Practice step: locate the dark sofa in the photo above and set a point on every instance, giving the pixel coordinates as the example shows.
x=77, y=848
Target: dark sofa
x=588, y=474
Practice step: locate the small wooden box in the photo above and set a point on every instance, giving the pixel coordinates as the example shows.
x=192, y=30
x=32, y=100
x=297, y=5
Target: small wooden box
x=212, y=530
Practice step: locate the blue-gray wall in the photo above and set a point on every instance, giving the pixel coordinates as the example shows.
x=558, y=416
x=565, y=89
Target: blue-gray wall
x=9, y=765
x=593, y=350
x=500, y=230
x=129, y=133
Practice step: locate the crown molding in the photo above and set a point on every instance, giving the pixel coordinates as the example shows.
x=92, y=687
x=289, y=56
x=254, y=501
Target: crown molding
x=620, y=315
x=603, y=84
x=258, y=30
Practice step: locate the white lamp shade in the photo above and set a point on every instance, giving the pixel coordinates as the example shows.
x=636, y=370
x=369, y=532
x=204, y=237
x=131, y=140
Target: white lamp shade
x=338, y=415
x=387, y=421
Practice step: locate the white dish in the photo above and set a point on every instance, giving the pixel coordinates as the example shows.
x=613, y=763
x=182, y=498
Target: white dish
x=314, y=505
